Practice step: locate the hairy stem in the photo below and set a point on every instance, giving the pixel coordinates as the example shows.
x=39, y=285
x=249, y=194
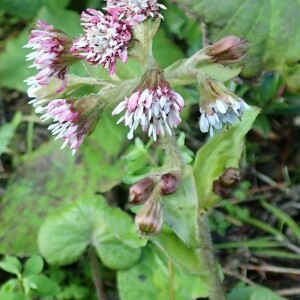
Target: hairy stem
x=206, y=255
x=96, y=274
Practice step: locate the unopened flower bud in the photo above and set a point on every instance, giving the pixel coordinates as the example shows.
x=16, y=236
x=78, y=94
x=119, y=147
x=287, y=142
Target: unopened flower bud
x=230, y=177
x=140, y=191
x=226, y=182
x=149, y=219
x=169, y=183
x=228, y=50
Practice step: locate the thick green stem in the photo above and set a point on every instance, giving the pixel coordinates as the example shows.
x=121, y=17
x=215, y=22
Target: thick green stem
x=174, y=158
x=96, y=274
x=206, y=255
x=206, y=252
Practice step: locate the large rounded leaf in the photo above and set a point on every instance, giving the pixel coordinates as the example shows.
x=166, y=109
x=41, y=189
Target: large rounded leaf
x=89, y=222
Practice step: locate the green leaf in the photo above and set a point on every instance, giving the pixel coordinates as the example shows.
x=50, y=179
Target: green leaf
x=220, y=72
x=219, y=153
x=57, y=3
x=151, y=279
x=101, y=150
x=63, y=19
x=8, y=295
x=182, y=208
x=253, y=293
x=88, y=222
x=75, y=291
x=14, y=68
x=34, y=265
x=272, y=27
x=7, y=132
x=284, y=218
x=175, y=75
x=184, y=257
x=165, y=51
x=11, y=264
x=51, y=178
x=24, y=9
x=41, y=284
x=27, y=9
x=45, y=182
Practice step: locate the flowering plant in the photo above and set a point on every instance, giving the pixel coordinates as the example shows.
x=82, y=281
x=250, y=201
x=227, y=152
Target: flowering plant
x=173, y=202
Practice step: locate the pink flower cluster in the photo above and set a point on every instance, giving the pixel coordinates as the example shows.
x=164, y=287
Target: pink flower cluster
x=52, y=53
x=66, y=124
x=105, y=40
x=134, y=10
x=156, y=110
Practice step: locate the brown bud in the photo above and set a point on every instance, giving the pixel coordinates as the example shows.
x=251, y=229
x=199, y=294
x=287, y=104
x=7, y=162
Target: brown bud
x=149, y=219
x=226, y=182
x=228, y=50
x=231, y=177
x=140, y=191
x=169, y=183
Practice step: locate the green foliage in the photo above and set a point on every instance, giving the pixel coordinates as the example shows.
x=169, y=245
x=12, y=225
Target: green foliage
x=284, y=218
x=7, y=132
x=253, y=293
x=154, y=277
x=183, y=27
x=219, y=153
x=13, y=66
x=66, y=20
x=51, y=178
x=183, y=257
x=34, y=265
x=90, y=222
x=182, y=206
x=11, y=264
x=29, y=282
x=165, y=51
x=271, y=27
x=27, y=9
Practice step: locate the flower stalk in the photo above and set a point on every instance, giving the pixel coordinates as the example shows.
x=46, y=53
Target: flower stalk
x=95, y=266
x=206, y=255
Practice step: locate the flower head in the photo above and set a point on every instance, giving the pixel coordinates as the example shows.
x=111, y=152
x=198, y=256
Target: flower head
x=228, y=50
x=72, y=120
x=149, y=219
x=154, y=106
x=105, y=40
x=51, y=53
x=219, y=106
x=134, y=10
x=42, y=94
